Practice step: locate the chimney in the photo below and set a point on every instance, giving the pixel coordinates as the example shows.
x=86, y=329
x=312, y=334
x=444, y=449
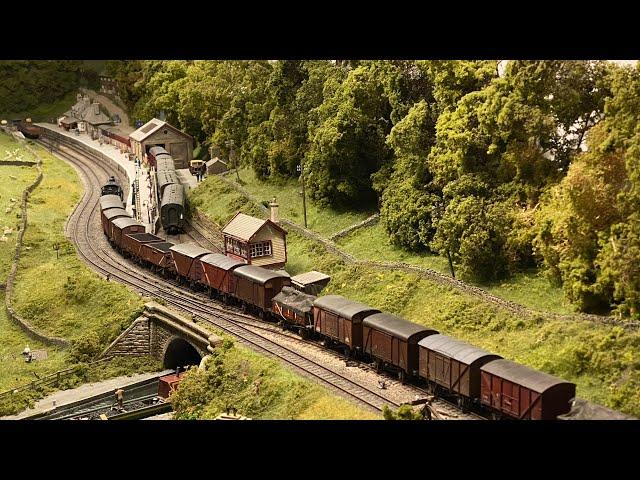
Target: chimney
x=96, y=108
x=274, y=211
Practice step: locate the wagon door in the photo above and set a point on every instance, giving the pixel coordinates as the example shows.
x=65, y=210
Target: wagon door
x=442, y=370
x=330, y=325
x=511, y=398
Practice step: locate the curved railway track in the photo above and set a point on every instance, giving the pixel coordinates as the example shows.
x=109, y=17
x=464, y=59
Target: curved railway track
x=85, y=230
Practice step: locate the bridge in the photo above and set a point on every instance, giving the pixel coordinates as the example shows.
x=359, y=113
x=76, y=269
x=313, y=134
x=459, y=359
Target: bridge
x=166, y=336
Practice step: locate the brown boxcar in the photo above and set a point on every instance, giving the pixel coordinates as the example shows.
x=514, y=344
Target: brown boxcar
x=393, y=340
x=523, y=393
x=158, y=255
x=132, y=242
x=110, y=201
x=122, y=226
x=184, y=258
x=110, y=214
x=294, y=307
x=340, y=319
x=452, y=364
x=257, y=286
x=216, y=273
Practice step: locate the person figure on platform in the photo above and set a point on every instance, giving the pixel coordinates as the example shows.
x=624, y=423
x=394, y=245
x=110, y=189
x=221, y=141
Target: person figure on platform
x=120, y=398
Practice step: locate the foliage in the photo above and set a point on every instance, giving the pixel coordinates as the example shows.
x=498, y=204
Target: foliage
x=25, y=84
x=259, y=388
x=404, y=412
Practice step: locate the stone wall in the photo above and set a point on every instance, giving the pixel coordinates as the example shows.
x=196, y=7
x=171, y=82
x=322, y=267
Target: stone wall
x=151, y=333
x=22, y=322
x=133, y=341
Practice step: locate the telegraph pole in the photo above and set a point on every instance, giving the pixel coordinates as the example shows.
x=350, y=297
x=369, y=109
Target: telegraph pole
x=304, y=198
x=232, y=153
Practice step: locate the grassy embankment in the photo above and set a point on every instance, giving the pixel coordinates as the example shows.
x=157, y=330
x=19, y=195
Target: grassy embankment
x=61, y=296
x=260, y=388
x=602, y=360
x=371, y=243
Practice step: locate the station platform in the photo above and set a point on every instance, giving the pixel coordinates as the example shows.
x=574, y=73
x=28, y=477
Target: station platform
x=147, y=211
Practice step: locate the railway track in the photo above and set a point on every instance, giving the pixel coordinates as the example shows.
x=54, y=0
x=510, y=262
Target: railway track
x=85, y=221
x=85, y=231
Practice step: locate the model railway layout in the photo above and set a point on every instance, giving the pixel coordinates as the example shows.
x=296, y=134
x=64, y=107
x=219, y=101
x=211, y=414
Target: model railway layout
x=478, y=380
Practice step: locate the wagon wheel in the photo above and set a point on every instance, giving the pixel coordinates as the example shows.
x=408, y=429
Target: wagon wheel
x=462, y=405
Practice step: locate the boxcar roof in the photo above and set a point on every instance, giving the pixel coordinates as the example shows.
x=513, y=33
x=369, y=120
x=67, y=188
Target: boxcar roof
x=162, y=246
x=144, y=237
x=455, y=349
x=221, y=261
x=115, y=212
x=521, y=375
x=295, y=299
x=310, y=277
x=124, y=222
x=190, y=250
x=342, y=306
x=110, y=201
x=396, y=326
x=258, y=274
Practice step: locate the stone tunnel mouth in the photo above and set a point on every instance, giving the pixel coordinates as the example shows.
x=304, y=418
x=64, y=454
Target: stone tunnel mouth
x=180, y=353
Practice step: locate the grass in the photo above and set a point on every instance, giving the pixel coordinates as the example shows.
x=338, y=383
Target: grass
x=75, y=300
x=604, y=361
x=324, y=220
x=530, y=288
x=16, y=179
x=60, y=296
x=46, y=111
x=372, y=243
x=259, y=388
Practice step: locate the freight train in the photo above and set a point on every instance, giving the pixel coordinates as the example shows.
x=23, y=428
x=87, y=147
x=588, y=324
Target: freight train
x=171, y=195
x=449, y=367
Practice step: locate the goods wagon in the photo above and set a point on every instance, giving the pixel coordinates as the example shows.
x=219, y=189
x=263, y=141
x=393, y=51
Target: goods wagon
x=340, y=319
x=393, y=341
x=172, y=208
x=516, y=391
x=216, y=274
x=452, y=365
x=122, y=226
x=158, y=256
x=256, y=286
x=132, y=242
x=184, y=257
x=111, y=201
x=110, y=214
x=295, y=309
